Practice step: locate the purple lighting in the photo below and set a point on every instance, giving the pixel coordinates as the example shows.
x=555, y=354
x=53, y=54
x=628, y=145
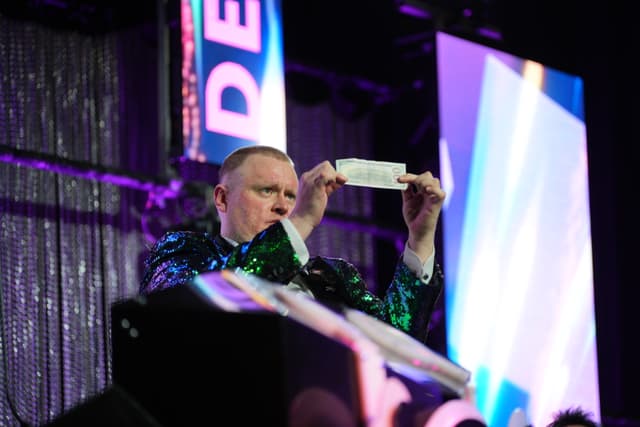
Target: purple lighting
x=414, y=10
x=87, y=171
x=490, y=33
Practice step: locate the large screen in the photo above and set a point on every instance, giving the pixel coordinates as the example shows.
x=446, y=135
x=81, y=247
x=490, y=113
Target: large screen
x=231, y=76
x=516, y=232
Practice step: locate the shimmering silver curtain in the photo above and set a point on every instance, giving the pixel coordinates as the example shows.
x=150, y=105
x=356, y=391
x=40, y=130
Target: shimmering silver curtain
x=69, y=248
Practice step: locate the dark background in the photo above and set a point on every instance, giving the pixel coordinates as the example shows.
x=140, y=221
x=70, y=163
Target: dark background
x=387, y=61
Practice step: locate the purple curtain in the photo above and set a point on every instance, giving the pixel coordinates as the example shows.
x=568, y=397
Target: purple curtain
x=70, y=245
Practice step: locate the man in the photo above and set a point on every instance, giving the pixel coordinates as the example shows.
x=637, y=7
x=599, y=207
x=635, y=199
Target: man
x=572, y=417
x=265, y=217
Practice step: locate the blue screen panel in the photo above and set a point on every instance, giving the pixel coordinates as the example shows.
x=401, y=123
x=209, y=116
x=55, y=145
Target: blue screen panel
x=517, y=232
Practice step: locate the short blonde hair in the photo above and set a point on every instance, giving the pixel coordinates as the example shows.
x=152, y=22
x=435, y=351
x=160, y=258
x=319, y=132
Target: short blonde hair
x=235, y=159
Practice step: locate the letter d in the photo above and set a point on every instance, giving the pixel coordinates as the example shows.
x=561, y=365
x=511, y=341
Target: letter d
x=217, y=119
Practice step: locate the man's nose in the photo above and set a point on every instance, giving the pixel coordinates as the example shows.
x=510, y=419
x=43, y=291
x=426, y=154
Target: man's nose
x=281, y=205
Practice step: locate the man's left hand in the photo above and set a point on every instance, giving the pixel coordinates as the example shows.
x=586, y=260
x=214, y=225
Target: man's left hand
x=421, y=205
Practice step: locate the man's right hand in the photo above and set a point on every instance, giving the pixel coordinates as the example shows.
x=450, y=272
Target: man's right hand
x=314, y=188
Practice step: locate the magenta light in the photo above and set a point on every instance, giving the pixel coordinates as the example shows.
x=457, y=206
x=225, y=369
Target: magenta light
x=413, y=10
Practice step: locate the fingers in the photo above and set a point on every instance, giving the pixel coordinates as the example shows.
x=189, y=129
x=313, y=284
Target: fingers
x=335, y=182
x=315, y=187
x=324, y=175
x=424, y=183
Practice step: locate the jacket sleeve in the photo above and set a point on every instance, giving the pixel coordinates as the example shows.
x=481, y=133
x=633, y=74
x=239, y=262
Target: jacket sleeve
x=407, y=304
x=180, y=256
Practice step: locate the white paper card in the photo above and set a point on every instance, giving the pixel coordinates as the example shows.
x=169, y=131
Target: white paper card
x=371, y=173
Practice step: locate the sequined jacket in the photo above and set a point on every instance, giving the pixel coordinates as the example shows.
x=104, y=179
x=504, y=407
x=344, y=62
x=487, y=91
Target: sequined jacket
x=179, y=256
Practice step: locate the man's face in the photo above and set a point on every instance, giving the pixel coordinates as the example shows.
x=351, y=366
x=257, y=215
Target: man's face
x=257, y=194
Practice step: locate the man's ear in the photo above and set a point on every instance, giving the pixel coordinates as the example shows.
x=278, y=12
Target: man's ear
x=220, y=197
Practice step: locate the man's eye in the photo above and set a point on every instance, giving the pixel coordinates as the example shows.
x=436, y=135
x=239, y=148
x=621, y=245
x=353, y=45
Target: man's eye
x=266, y=191
x=291, y=197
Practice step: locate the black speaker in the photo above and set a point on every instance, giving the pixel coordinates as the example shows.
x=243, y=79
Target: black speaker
x=188, y=363
x=113, y=407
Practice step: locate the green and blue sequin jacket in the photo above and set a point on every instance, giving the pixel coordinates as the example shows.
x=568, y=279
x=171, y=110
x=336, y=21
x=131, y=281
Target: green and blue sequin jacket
x=179, y=256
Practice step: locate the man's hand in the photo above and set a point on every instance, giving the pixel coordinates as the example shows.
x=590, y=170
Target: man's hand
x=421, y=205
x=314, y=189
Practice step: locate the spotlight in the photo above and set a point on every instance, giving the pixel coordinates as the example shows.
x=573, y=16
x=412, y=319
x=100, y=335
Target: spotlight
x=416, y=8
